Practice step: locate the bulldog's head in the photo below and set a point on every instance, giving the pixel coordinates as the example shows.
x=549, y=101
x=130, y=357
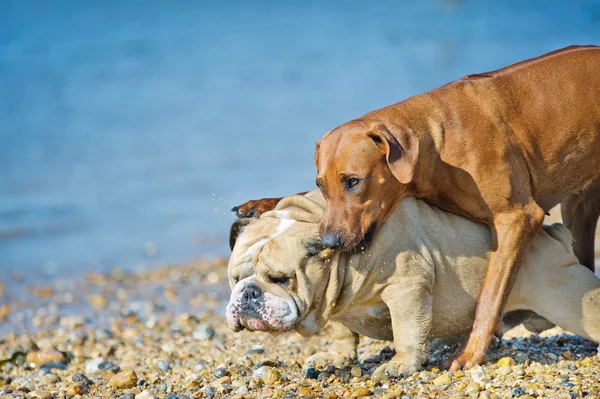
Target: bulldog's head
x=281, y=276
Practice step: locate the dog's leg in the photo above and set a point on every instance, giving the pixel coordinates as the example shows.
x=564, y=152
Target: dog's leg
x=514, y=231
x=255, y=208
x=343, y=350
x=580, y=214
x=410, y=304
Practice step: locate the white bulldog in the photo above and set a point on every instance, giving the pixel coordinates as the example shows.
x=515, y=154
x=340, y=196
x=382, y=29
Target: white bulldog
x=419, y=277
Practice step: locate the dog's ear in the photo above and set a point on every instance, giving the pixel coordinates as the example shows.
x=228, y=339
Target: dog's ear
x=318, y=145
x=236, y=229
x=401, y=147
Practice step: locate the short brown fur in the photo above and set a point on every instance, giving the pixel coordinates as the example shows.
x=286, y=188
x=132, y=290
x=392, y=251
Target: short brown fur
x=501, y=147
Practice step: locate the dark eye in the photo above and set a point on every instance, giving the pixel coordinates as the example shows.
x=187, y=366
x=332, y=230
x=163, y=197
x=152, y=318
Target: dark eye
x=235, y=280
x=281, y=280
x=318, y=183
x=352, y=183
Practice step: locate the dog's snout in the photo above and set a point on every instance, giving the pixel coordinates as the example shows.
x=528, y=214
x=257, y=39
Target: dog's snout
x=332, y=240
x=252, y=293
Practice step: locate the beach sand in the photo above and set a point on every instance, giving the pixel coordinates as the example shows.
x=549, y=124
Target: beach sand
x=163, y=334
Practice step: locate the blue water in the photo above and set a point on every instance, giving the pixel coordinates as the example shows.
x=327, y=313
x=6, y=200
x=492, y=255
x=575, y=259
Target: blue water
x=128, y=129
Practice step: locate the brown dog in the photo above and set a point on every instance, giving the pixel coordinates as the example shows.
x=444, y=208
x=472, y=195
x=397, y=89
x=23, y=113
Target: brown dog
x=501, y=147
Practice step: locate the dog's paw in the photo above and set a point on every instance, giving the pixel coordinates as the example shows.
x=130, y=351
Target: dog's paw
x=394, y=369
x=326, y=359
x=255, y=208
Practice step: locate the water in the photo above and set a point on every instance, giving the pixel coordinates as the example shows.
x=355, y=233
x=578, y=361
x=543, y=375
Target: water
x=129, y=129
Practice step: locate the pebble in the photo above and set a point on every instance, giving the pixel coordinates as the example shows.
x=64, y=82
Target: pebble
x=91, y=366
x=42, y=357
x=203, y=333
x=360, y=392
x=312, y=373
x=127, y=396
x=40, y=394
x=506, y=361
x=271, y=376
x=124, y=379
x=220, y=372
x=355, y=371
x=163, y=366
x=517, y=392
x=49, y=378
x=473, y=388
x=257, y=349
x=145, y=394
x=78, y=377
x=76, y=389
x=442, y=380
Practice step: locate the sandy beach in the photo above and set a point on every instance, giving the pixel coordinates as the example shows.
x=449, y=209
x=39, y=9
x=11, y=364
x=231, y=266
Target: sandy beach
x=162, y=334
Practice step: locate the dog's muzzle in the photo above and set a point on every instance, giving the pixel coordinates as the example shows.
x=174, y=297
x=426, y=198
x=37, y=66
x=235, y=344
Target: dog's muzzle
x=256, y=310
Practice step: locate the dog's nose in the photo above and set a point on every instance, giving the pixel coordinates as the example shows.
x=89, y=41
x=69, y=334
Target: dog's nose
x=332, y=240
x=252, y=293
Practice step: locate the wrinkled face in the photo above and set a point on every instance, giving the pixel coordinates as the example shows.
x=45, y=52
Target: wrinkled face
x=284, y=287
x=355, y=178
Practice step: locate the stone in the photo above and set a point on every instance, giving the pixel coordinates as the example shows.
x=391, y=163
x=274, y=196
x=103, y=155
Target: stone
x=145, y=394
x=42, y=357
x=442, y=380
x=203, y=333
x=124, y=379
x=506, y=361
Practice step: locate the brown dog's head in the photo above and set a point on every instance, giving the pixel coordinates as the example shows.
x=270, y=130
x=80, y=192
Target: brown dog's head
x=364, y=168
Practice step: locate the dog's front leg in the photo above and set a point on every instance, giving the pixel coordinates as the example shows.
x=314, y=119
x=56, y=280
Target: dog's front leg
x=515, y=230
x=410, y=305
x=343, y=350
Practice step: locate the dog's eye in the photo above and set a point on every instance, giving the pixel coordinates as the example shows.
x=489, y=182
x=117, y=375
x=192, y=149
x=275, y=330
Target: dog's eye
x=352, y=183
x=235, y=280
x=280, y=280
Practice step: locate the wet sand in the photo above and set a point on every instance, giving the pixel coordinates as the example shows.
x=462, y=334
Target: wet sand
x=162, y=334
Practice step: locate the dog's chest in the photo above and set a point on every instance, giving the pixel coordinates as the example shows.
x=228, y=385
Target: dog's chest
x=371, y=321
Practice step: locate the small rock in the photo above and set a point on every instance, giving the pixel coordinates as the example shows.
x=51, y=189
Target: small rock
x=220, y=372
x=208, y=391
x=257, y=349
x=76, y=389
x=108, y=366
x=145, y=394
x=517, y=391
x=40, y=394
x=49, y=379
x=503, y=371
x=125, y=379
x=203, y=333
x=312, y=373
x=477, y=374
x=78, y=377
x=91, y=366
x=473, y=388
x=360, y=392
x=163, y=366
x=355, y=371
x=442, y=380
x=53, y=365
x=271, y=376
x=127, y=396
x=42, y=357
x=506, y=361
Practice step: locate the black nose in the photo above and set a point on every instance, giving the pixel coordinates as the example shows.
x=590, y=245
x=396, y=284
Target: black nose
x=332, y=240
x=252, y=293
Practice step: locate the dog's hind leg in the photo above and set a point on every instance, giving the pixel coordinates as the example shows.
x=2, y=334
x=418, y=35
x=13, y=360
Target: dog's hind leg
x=580, y=214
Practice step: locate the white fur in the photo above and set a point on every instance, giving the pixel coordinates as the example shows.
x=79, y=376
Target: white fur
x=284, y=224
